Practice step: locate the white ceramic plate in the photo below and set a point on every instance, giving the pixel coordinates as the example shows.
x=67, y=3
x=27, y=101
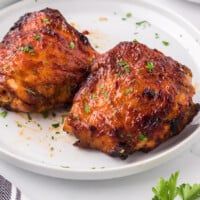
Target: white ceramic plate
x=35, y=146
x=195, y=1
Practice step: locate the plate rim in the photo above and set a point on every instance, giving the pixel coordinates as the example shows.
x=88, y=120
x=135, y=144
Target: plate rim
x=111, y=172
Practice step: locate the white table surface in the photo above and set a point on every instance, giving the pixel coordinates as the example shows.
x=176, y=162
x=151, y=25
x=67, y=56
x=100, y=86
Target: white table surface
x=136, y=187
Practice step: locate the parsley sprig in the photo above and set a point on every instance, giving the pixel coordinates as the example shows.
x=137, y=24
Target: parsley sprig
x=124, y=65
x=150, y=66
x=27, y=49
x=168, y=190
x=3, y=114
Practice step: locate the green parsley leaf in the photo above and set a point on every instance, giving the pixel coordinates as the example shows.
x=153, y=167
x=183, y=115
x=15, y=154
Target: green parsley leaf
x=128, y=15
x=124, y=65
x=142, y=137
x=86, y=108
x=150, y=66
x=19, y=124
x=46, y=21
x=93, y=96
x=189, y=192
x=165, y=43
x=56, y=125
x=143, y=23
x=3, y=114
x=128, y=91
x=37, y=37
x=105, y=94
x=123, y=18
x=27, y=49
x=157, y=36
x=71, y=45
x=166, y=189
x=135, y=41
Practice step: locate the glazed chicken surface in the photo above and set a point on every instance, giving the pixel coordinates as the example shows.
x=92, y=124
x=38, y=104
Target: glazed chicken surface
x=43, y=61
x=135, y=99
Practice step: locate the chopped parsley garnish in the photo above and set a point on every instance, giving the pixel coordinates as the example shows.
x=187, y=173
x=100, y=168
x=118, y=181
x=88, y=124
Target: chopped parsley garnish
x=27, y=49
x=37, y=37
x=135, y=41
x=105, y=94
x=165, y=43
x=45, y=114
x=157, y=36
x=18, y=124
x=56, y=125
x=3, y=114
x=57, y=133
x=123, y=18
x=142, y=137
x=128, y=15
x=143, y=23
x=124, y=65
x=93, y=96
x=46, y=21
x=86, y=108
x=128, y=91
x=168, y=189
x=71, y=45
x=150, y=66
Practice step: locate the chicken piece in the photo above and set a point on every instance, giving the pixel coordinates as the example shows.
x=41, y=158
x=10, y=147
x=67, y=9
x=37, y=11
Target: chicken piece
x=43, y=61
x=135, y=99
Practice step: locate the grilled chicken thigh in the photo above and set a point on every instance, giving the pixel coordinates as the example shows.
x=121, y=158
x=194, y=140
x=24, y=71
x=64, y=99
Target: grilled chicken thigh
x=43, y=61
x=135, y=99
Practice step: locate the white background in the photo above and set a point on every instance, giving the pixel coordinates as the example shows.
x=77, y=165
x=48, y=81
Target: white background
x=137, y=187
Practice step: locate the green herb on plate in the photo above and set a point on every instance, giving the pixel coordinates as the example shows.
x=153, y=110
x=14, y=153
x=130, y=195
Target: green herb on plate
x=157, y=36
x=165, y=43
x=129, y=14
x=143, y=24
x=86, y=108
x=3, y=114
x=55, y=125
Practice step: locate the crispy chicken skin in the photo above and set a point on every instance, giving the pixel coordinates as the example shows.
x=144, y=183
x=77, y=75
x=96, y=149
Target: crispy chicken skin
x=43, y=61
x=135, y=99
